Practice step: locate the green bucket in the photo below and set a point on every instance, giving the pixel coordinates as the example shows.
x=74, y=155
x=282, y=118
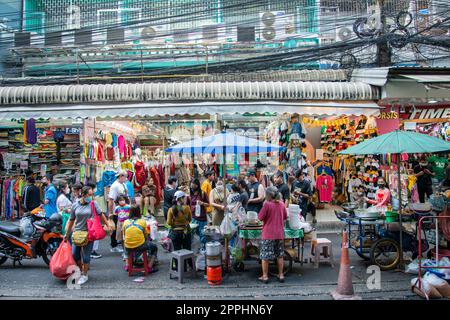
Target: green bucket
x=391, y=216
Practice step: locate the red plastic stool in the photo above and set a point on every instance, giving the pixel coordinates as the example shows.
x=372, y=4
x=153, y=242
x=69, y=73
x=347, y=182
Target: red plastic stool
x=132, y=268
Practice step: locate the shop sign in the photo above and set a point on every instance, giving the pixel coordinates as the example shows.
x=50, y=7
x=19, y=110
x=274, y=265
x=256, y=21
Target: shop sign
x=426, y=113
x=388, y=115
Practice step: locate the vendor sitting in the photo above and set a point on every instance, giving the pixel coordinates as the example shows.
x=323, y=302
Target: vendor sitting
x=382, y=196
x=359, y=196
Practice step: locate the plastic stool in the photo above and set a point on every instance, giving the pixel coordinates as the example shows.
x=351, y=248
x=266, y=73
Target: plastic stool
x=181, y=257
x=132, y=268
x=324, y=248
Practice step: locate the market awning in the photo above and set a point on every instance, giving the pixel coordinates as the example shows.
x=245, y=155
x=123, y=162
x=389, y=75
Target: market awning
x=64, y=111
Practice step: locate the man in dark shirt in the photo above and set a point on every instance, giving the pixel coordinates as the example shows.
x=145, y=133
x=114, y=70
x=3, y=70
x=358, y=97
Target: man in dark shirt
x=282, y=187
x=424, y=173
x=301, y=191
x=31, y=195
x=169, y=193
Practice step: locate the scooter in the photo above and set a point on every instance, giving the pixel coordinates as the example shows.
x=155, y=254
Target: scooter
x=36, y=236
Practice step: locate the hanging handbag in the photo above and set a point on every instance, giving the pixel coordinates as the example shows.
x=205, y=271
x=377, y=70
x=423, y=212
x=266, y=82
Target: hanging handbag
x=94, y=226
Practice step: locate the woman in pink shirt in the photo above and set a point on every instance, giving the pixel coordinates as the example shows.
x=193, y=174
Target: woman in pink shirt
x=273, y=214
x=382, y=196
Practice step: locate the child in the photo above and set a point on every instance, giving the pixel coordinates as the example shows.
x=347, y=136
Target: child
x=136, y=236
x=121, y=211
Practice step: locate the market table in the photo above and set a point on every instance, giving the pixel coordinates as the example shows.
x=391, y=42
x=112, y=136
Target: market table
x=289, y=234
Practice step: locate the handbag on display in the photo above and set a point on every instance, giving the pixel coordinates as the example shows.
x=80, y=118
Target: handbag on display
x=94, y=226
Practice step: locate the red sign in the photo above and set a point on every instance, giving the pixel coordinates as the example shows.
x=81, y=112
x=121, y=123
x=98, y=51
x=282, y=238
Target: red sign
x=388, y=120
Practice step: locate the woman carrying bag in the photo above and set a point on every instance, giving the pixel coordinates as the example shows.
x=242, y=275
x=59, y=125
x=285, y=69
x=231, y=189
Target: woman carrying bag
x=80, y=230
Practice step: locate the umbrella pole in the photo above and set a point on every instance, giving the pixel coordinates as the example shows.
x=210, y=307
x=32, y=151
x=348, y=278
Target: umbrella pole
x=227, y=253
x=400, y=209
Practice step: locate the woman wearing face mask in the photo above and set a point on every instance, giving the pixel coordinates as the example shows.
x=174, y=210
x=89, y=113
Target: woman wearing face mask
x=216, y=200
x=382, y=196
x=62, y=202
x=81, y=212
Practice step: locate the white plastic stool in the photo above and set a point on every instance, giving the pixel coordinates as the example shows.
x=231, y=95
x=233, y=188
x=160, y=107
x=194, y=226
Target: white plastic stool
x=323, y=252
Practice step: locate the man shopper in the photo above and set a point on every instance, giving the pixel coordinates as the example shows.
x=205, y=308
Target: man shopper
x=207, y=188
x=301, y=191
x=50, y=196
x=31, y=197
x=118, y=188
x=257, y=196
x=424, y=174
x=282, y=187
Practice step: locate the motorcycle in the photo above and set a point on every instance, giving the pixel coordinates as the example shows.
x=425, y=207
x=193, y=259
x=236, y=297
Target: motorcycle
x=36, y=236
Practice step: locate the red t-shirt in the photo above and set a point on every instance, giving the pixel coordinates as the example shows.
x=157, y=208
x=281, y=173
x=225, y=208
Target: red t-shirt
x=273, y=214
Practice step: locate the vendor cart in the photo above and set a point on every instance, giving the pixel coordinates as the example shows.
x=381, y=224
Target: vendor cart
x=378, y=240
x=249, y=236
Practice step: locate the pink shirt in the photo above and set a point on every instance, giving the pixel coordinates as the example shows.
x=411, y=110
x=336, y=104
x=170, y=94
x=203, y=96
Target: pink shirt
x=122, y=145
x=273, y=214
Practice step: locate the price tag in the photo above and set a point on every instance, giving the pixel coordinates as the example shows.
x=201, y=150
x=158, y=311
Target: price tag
x=23, y=165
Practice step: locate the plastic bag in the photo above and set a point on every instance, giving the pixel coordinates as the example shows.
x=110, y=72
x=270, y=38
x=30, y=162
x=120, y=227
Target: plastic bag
x=427, y=290
x=161, y=235
x=26, y=227
x=440, y=284
x=167, y=244
x=196, y=244
x=61, y=260
x=413, y=267
x=227, y=227
x=236, y=251
x=198, y=210
x=200, y=262
x=65, y=219
x=153, y=228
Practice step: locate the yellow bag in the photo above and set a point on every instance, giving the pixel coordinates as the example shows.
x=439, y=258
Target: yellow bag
x=80, y=238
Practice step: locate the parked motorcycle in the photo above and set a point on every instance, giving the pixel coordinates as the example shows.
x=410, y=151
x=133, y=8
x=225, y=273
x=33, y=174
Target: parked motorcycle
x=17, y=242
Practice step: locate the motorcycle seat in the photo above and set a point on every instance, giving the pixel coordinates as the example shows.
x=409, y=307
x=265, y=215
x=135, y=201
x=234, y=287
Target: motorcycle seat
x=14, y=230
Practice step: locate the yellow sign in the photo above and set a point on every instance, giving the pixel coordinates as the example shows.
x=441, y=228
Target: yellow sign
x=388, y=115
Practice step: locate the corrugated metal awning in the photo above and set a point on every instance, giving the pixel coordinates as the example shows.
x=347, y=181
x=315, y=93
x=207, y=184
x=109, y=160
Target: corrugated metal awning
x=427, y=78
x=64, y=111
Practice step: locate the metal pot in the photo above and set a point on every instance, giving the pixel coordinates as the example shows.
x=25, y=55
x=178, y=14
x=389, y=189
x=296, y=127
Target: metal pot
x=365, y=214
x=213, y=248
x=213, y=261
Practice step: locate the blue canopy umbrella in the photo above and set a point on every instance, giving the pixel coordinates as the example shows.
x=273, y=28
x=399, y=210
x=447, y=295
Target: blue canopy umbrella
x=224, y=143
x=398, y=142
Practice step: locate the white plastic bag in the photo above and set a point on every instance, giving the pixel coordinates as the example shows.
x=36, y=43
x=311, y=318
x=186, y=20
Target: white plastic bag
x=427, y=289
x=440, y=284
x=227, y=227
x=26, y=227
x=153, y=228
x=196, y=244
x=198, y=210
x=200, y=262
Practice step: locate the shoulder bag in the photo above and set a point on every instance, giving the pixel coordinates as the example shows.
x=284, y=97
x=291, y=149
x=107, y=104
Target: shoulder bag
x=94, y=226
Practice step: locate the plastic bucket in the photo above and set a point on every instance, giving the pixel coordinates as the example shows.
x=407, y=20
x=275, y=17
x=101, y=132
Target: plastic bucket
x=391, y=216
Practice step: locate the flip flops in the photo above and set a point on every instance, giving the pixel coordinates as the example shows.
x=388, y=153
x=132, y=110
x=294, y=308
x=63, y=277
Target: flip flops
x=265, y=281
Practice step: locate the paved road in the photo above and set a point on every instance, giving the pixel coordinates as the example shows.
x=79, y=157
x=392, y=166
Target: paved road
x=108, y=280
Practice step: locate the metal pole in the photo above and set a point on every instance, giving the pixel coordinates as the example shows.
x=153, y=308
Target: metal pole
x=399, y=185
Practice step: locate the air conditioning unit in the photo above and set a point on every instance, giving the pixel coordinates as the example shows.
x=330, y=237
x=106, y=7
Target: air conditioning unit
x=158, y=33
x=272, y=25
x=214, y=33
x=344, y=33
x=290, y=26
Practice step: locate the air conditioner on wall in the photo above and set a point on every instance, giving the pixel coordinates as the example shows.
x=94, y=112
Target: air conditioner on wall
x=272, y=25
x=344, y=33
x=157, y=33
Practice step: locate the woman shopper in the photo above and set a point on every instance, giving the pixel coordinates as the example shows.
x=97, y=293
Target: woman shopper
x=63, y=202
x=179, y=217
x=77, y=229
x=136, y=237
x=273, y=215
x=198, y=197
x=216, y=200
x=148, y=200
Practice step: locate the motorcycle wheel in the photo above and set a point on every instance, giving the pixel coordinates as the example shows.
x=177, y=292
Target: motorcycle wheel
x=3, y=260
x=47, y=251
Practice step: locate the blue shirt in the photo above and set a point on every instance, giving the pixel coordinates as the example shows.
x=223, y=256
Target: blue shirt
x=50, y=195
x=130, y=189
x=327, y=170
